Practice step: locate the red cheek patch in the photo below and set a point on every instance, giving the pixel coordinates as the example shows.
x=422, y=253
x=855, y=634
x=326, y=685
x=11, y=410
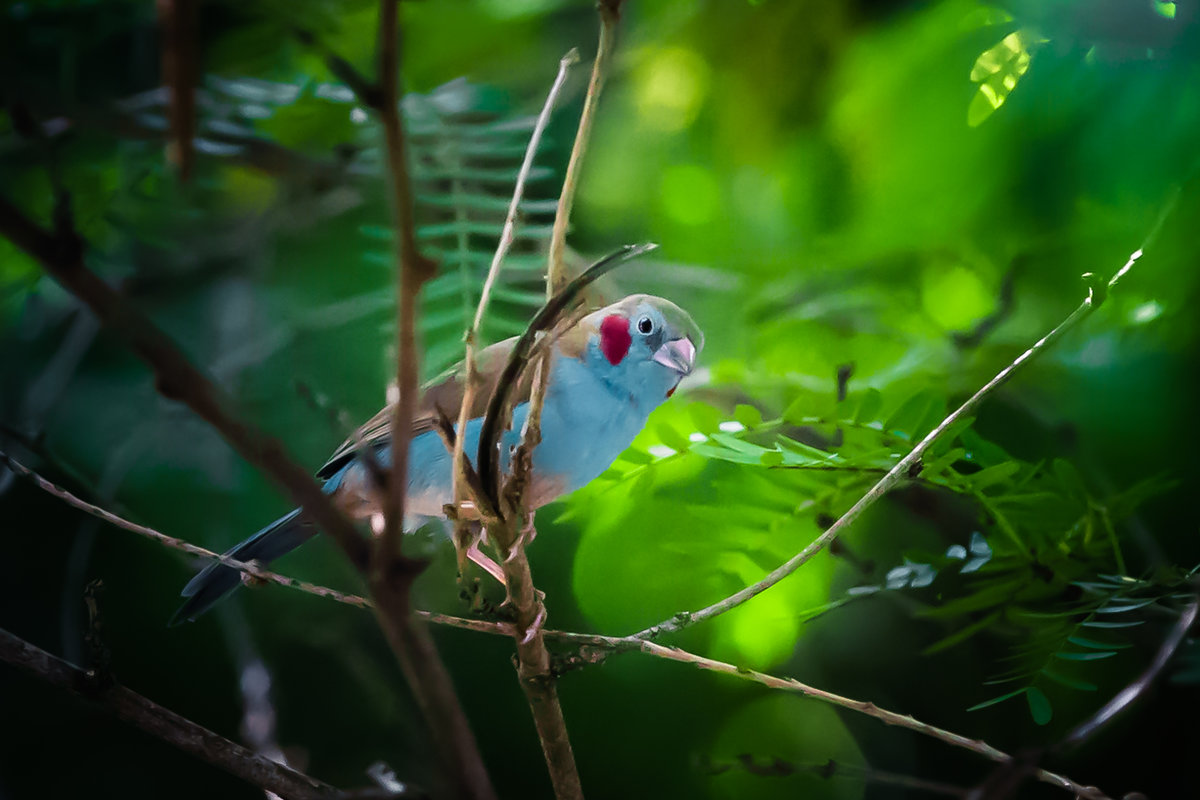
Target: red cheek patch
x=615, y=338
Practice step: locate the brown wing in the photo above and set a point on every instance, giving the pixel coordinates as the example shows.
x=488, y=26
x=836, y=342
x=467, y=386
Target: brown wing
x=445, y=393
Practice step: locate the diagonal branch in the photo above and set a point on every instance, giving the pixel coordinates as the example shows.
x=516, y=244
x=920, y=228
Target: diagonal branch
x=250, y=570
x=61, y=255
x=594, y=648
x=391, y=573
x=164, y=724
x=1097, y=292
x=533, y=660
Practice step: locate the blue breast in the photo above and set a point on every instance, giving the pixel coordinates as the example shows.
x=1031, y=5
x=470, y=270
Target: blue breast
x=586, y=424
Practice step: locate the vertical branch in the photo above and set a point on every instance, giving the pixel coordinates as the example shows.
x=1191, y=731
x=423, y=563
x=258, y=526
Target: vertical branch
x=610, y=13
x=532, y=657
x=471, y=378
x=412, y=269
x=164, y=724
x=391, y=574
x=177, y=18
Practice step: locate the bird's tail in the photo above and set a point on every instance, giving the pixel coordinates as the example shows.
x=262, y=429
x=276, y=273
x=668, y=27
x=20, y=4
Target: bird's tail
x=217, y=580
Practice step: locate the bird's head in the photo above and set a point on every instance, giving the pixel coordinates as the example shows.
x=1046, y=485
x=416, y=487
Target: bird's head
x=643, y=344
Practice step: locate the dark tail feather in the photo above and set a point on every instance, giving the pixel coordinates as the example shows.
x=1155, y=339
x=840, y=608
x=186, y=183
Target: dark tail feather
x=217, y=580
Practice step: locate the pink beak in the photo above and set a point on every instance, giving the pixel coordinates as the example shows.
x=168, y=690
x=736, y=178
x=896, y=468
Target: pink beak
x=679, y=355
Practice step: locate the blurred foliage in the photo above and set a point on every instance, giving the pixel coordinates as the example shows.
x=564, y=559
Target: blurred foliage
x=902, y=194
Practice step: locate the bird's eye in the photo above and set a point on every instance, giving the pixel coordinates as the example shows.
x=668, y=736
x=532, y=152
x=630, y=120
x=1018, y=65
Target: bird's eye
x=645, y=325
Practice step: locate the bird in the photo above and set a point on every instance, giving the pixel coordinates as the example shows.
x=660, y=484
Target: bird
x=607, y=373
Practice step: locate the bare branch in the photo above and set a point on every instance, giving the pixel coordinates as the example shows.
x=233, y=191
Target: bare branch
x=61, y=255
x=546, y=318
x=470, y=379
x=911, y=463
x=391, y=573
x=252, y=570
x=1124, y=698
x=610, y=11
x=594, y=648
x=165, y=724
x=177, y=19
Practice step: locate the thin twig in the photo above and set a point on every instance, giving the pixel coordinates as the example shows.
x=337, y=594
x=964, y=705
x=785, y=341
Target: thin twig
x=610, y=11
x=507, y=234
x=533, y=660
x=164, y=724
x=250, y=569
x=911, y=463
x=61, y=255
x=977, y=746
x=594, y=647
x=1140, y=685
x=177, y=19
x=546, y=318
x=412, y=269
x=391, y=573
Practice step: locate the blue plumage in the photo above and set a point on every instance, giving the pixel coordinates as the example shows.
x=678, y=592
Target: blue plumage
x=606, y=376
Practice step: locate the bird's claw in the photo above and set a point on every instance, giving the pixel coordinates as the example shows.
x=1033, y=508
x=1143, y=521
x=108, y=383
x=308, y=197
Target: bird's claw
x=535, y=627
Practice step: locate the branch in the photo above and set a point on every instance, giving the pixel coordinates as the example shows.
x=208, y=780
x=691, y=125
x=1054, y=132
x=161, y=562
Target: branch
x=911, y=463
x=533, y=661
x=593, y=647
x=177, y=19
x=249, y=569
x=610, y=11
x=470, y=380
x=164, y=724
x=545, y=319
x=61, y=255
x=1140, y=685
x=391, y=573
x=412, y=269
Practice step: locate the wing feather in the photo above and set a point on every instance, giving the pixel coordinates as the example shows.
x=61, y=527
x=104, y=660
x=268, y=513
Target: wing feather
x=444, y=392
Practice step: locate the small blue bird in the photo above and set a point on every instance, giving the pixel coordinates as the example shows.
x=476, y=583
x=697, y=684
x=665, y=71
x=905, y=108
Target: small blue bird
x=607, y=374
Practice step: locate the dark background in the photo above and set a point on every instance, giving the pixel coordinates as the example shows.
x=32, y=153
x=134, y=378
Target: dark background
x=829, y=185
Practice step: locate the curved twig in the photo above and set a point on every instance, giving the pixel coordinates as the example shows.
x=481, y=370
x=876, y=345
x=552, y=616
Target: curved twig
x=546, y=318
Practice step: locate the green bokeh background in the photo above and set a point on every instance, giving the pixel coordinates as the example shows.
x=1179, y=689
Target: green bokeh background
x=828, y=185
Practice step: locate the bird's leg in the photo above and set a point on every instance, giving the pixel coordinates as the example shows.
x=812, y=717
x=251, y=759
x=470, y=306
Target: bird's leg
x=535, y=627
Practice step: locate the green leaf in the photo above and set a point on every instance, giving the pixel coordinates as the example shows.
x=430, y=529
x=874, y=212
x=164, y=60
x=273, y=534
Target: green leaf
x=1097, y=624
x=935, y=468
x=1089, y=656
x=993, y=475
x=1071, y=480
x=1094, y=645
x=868, y=406
x=749, y=416
x=1000, y=699
x=997, y=71
x=1118, y=607
x=672, y=438
x=1039, y=705
x=706, y=418
x=906, y=420
x=771, y=458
